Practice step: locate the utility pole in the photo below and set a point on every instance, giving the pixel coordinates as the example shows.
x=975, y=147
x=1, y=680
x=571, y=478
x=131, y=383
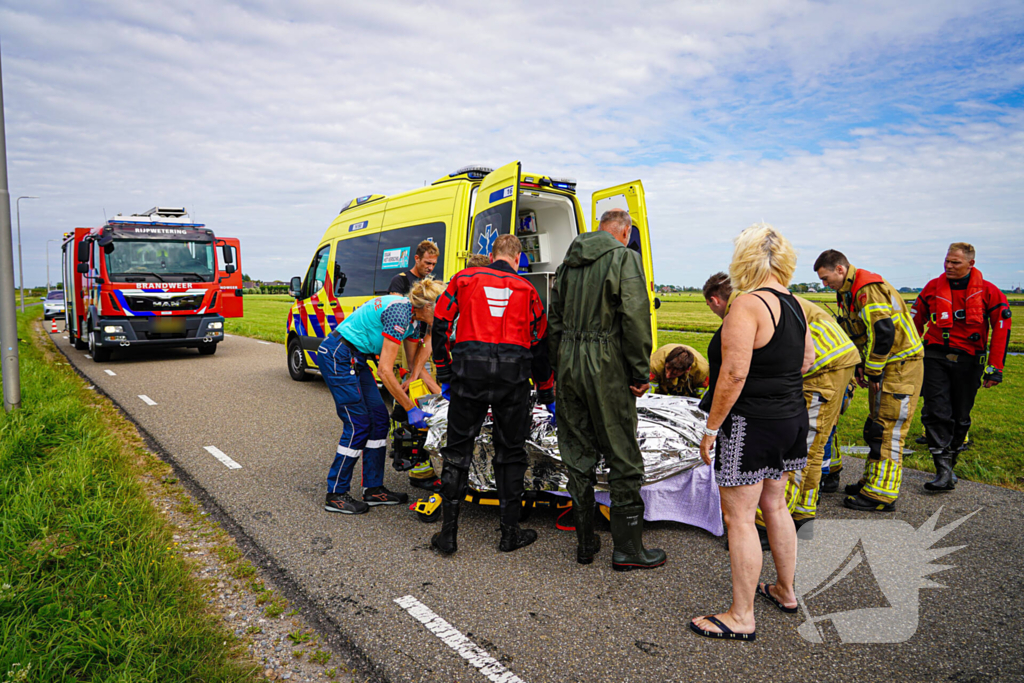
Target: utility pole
x=8, y=318
x=21, y=270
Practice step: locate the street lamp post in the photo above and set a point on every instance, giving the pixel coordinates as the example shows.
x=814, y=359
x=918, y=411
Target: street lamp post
x=48, y=265
x=21, y=270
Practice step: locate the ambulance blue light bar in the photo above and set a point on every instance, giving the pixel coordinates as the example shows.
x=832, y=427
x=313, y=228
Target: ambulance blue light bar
x=567, y=184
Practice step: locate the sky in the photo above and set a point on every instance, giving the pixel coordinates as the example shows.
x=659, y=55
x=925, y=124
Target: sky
x=885, y=130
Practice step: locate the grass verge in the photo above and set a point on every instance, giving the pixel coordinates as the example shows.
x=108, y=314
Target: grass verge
x=91, y=588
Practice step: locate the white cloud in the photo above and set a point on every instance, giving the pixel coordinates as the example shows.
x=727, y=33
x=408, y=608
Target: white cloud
x=266, y=118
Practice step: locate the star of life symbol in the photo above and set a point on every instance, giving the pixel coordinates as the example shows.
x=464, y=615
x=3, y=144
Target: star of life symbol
x=891, y=552
x=497, y=299
x=486, y=240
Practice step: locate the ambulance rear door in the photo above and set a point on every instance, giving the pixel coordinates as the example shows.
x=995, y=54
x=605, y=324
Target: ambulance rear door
x=229, y=276
x=630, y=197
x=495, y=209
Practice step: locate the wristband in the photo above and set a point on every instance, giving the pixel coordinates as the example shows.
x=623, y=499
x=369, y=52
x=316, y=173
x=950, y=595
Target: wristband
x=710, y=432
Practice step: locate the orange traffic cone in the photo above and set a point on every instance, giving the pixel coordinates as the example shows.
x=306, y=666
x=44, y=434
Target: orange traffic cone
x=53, y=329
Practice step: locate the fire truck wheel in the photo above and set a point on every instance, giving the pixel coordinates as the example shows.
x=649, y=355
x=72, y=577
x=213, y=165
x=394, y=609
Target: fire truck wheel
x=80, y=345
x=99, y=354
x=207, y=349
x=297, y=361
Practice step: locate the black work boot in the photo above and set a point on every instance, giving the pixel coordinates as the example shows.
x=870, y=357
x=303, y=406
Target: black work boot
x=509, y=481
x=453, y=490
x=830, y=482
x=587, y=542
x=514, y=538
x=943, y=480
x=854, y=489
x=627, y=535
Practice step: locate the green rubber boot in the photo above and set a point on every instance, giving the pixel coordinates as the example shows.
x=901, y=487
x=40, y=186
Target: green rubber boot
x=627, y=534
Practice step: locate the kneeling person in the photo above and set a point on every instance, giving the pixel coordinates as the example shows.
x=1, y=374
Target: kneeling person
x=500, y=341
x=679, y=370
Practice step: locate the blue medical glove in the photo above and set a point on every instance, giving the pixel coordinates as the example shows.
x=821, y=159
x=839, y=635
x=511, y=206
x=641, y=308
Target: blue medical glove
x=417, y=418
x=551, y=409
x=446, y=391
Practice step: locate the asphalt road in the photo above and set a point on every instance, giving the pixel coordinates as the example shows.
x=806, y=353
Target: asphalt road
x=537, y=612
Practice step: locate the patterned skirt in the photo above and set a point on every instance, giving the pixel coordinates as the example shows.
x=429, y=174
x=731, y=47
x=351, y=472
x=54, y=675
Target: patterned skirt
x=749, y=450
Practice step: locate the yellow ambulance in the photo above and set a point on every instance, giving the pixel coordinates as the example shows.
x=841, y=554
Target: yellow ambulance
x=375, y=237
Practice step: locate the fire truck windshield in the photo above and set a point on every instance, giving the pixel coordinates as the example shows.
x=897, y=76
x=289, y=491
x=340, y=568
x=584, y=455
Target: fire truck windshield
x=165, y=261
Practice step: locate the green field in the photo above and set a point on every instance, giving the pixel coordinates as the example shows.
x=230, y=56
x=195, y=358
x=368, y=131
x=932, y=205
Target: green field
x=266, y=317
x=997, y=456
x=91, y=585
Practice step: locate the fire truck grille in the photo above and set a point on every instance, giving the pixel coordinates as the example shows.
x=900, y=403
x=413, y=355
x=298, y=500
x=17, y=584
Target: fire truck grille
x=178, y=303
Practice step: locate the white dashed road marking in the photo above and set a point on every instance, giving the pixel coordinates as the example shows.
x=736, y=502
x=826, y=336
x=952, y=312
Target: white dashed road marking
x=263, y=342
x=220, y=455
x=88, y=356
x=147, y=400
x=474, y=654
x=111, y=373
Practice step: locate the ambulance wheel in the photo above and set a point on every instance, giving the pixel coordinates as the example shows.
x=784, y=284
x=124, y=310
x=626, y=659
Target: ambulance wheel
x=207, y=349
x=297, y=361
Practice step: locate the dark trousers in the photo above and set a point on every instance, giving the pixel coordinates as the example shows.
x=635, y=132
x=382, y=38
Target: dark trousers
x=511, y=411
x=948, y=392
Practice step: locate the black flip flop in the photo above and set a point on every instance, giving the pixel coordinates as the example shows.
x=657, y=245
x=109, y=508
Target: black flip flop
x=762, y=589
x=726, y=633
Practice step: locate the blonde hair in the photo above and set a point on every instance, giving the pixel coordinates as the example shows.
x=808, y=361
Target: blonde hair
x=967, y=249
x=425, y=292
x=507, y=245
x=761, y=251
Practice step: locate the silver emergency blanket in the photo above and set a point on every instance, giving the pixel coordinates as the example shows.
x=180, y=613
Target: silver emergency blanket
x=669, y=432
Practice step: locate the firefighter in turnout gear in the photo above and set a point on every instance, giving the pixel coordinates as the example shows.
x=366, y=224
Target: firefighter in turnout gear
x=679, y=370
x=959, y=307
x=601, y=347
x=879, y=322
x=835, y=358
x=500, y=342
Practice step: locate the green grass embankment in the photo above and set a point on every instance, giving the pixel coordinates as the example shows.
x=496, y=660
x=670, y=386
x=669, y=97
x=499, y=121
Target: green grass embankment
x=90, y=586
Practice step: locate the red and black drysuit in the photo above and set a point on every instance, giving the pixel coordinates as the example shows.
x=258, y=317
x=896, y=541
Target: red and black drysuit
x=959, y=314
x=500, y=343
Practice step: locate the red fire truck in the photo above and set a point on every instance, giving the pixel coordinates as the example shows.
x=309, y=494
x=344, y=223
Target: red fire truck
x=150, y=279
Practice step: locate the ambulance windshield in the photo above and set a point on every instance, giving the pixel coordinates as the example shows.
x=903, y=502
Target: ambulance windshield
x=160, y=261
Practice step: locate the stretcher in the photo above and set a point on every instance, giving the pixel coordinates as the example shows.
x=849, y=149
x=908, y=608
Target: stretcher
x=669, y=431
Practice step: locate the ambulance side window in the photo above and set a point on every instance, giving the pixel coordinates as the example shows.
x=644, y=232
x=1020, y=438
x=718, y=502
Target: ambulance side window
x=317, y=271
x=354, y=265
x=397, y=252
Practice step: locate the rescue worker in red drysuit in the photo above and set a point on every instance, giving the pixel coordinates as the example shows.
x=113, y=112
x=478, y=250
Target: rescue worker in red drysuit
x=500, y=342
x=958, y=307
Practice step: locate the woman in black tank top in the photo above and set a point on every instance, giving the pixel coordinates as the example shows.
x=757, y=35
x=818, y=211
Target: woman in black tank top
x=757, y=422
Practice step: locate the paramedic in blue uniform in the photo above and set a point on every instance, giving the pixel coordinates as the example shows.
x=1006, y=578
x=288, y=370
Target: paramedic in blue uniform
x=500, y=343
x=377, y=328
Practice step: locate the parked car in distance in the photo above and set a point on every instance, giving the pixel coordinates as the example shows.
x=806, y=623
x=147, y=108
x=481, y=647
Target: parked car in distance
x=53, y=304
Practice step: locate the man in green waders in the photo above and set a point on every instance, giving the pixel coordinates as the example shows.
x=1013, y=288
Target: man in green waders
x=599, y=327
